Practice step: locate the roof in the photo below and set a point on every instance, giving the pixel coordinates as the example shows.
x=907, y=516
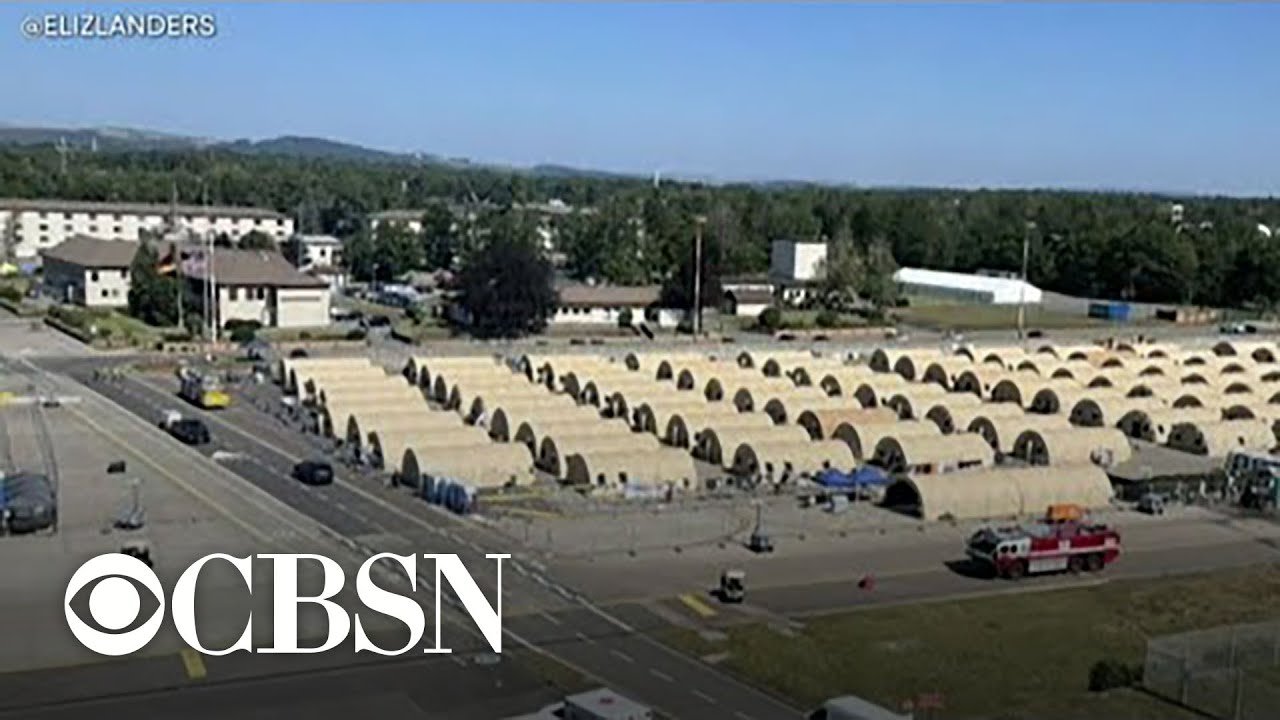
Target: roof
x=751, y=296
x=316, y=239
x=135, y=208
x=606, y=703
x=251, y=267
x=963, y=281
x=608, y=295
x=94, y=253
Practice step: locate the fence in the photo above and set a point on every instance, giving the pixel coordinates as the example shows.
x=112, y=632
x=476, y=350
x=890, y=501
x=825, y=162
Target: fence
x=1230, y=672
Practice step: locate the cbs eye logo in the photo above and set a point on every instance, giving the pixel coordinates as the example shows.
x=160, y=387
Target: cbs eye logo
x=114, y=604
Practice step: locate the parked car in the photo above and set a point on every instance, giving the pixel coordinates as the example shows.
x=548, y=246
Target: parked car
x=313, y=472
x=1151, y=504
x=29, y=501
x=373, y=321
x=191, y=431
x=297, y=353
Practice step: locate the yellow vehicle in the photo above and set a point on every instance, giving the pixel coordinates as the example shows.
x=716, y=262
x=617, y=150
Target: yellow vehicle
x=203, y=390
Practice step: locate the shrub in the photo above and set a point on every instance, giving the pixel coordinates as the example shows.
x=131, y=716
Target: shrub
x=241, y=334
x=1110, y=674
x=10, y=293
x=624, y=318
x=770, y=319
x=356, y=334
x=304, y=335
x=827, y=319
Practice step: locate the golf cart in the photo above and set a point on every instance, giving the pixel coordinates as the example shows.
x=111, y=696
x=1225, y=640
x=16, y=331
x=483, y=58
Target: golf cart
x=733, y=586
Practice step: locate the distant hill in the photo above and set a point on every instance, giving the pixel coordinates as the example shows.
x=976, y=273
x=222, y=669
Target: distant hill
x=108, y=139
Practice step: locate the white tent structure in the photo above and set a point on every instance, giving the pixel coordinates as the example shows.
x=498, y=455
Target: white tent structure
x=982, y=288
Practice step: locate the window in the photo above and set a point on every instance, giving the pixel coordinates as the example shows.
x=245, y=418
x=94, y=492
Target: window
x=115, y=216
x=106, y=293
x=41, y=214
x=93, y=228
x=44, y=239
x=94, y=276
x=262, y=293
x=257, y=221
x=44, y=226
x=116, y=229
x=66, y=228
x=233, y=293
x=124, y=274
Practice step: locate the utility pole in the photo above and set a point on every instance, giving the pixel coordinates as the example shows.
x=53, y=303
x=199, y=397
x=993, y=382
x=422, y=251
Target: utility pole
x=62, y=154
x=1022, y=288
x=697, y=279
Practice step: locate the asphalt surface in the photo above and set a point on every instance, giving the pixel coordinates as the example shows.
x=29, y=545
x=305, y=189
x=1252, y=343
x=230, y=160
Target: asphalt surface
x=538, y=611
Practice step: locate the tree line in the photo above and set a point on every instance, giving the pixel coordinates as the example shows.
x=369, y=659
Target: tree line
x=1112, y=245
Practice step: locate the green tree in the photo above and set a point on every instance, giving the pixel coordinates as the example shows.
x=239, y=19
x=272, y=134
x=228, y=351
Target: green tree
x=677, y=291
x=257, y=240
x=438, y=236
x=153, y=298
x=843, y=272
x=506, y=286
x=878, y=285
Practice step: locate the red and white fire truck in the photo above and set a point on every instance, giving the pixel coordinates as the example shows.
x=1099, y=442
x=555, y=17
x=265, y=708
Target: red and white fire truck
x=1013, y=552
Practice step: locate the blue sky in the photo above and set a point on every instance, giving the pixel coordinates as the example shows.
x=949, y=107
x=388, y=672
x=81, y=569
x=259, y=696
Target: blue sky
x=1177, y=97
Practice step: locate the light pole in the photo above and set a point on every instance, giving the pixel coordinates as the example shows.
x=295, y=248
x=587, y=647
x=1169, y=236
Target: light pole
x=697, y=277
x=1022, y=287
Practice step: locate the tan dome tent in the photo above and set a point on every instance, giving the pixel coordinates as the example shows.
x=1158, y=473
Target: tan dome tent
x=1266, y=375
x=555, y=448
x=335, y=416
x=484, y=401
x=1215, y=439
x=927, y=455
x=772, y=459
x=1106, y=412
x=684, y=430
x=610, y=471
x=944, y=372
x=391, y=445
x=1050, y=401
x=506, y=419
x=845, y=381
x=997, y=493
x=1158, y=387
x=1152, y=370
x=863, y=438
x=1020, y=390
x=1155, y=351
x=652, y=416
x=911, y=366
x=1235, y=368
x=951, y=418
x=821, y=423
x=1075, y=446
x=384, y=421
x=715, y=444
x=870, y=393
x=497, y=466
x=1269, y=414
x=1002, y=431
x=532, y=432
x=598, y=389
x=1155, y=425
x=751, y=397
x=785, y=407
x=1005, y=359
x=296, y=371
x=913, y=404
x=1256, y=351
x=980, y=381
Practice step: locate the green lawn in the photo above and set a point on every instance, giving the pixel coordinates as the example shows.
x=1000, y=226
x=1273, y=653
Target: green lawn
x=988, y=317
x=431, y=329
x=1012, y=656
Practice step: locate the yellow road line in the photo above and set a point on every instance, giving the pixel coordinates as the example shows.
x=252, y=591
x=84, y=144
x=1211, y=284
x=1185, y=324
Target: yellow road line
x=194, y=663
x=696, y=605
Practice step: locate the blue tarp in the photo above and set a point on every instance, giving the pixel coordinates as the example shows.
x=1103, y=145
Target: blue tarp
x=863, y=476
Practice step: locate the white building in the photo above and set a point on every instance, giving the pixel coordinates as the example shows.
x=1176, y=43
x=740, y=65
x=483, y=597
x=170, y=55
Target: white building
x=792, y=260
x=605, y=304
x=29, y=226
x=966, y=287
x=260, y=285
x=89, y=272
x=319, y=255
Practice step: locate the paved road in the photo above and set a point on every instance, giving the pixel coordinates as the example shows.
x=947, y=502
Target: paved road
x=537, y=609
x=426, y=688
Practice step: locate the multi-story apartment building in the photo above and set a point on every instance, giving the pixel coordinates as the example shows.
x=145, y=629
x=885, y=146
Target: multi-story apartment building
x=29, y=226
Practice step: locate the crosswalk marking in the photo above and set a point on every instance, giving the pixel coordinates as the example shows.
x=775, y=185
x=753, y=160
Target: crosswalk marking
x=695, y=604
x=194, y=664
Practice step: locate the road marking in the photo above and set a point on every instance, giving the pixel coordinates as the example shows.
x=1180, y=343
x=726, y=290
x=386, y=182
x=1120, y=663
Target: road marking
x=660, y=675
x=695, y=604
x=705, y=696
x=742, y=715
x=194, y=663
x=551, y=618
x=621, y=656
x=583, y=637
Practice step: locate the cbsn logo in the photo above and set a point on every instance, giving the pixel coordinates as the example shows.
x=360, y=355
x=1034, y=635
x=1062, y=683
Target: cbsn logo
x=114, y=603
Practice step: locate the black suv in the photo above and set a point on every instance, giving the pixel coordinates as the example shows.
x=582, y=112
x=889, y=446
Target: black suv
x=313, y=472
x=190, y=431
